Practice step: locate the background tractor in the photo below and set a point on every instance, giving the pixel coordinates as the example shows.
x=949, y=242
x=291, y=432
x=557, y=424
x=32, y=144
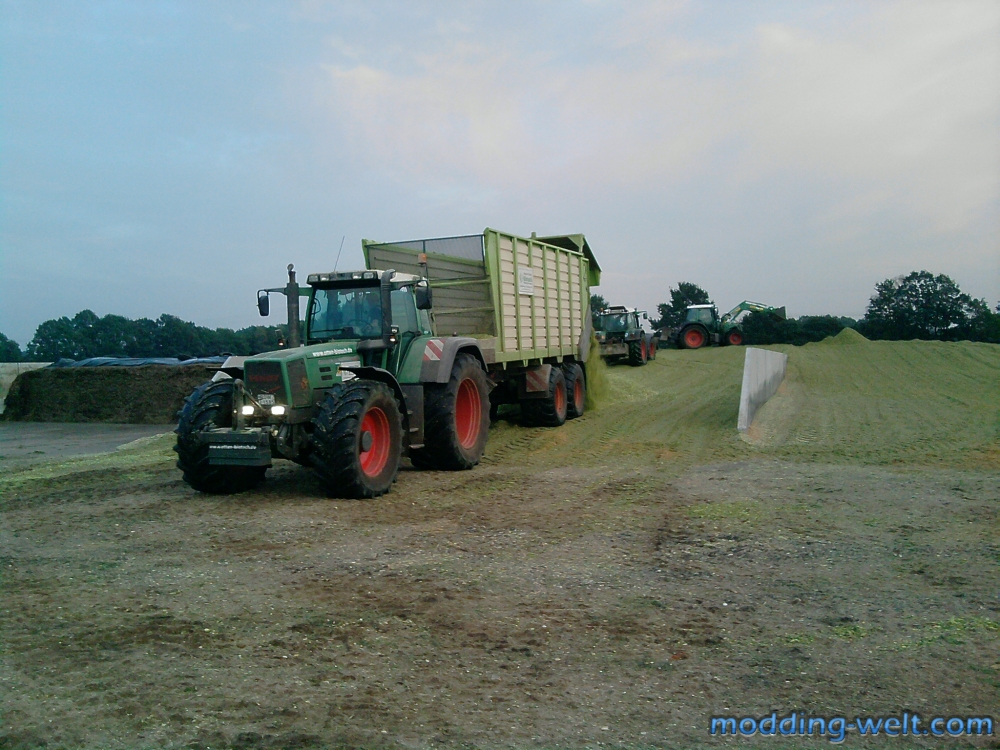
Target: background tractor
x=622, y=337
x=703, y=325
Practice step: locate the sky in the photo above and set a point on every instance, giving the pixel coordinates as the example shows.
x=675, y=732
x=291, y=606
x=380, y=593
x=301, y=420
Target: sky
x=172, y=157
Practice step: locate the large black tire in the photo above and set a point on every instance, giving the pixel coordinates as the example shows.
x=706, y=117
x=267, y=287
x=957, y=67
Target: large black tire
x=576, y=390
x=637, y=354
x=208, y=407
x=357, y=439
x=456, y=419
x=693, y=337
x=549, y=411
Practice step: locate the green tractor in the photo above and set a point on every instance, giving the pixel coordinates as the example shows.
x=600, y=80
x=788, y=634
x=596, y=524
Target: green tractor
x=621, y=336
x=703, y=325
x=383, y=369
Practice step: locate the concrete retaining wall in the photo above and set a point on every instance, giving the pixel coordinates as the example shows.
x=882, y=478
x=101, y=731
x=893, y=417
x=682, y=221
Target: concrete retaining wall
x=9, y=372
x=763, y=371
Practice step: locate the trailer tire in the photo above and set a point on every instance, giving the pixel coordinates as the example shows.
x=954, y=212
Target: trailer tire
x=637, y=353
x=456, y=419
x=694, y=337
x=734, y=337
x=576, y=390
x=549, y=411
x=357, y=439
x=210, y=405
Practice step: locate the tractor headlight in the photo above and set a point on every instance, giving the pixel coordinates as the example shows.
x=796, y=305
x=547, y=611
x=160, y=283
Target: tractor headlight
x=247, y=410
x=278, y=410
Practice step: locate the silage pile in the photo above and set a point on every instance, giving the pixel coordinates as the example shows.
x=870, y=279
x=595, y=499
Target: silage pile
x=120, y=395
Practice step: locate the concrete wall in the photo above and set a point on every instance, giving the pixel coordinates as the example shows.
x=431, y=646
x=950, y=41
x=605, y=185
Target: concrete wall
x=9, y=372
x=763, y=371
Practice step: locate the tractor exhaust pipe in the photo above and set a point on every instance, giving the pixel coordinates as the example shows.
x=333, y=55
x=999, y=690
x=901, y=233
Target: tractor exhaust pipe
x=292, y=298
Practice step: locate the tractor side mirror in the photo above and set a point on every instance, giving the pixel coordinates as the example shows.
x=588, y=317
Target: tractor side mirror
x=645, y=316
x=263, y=304
x=424, y=298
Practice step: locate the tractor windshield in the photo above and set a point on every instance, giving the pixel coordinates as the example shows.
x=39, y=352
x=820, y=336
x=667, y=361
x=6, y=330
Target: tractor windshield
x=348, y=313
x=613, y=323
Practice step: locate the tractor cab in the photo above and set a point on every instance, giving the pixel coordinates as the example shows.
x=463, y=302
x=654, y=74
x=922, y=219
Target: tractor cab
x=705, y=314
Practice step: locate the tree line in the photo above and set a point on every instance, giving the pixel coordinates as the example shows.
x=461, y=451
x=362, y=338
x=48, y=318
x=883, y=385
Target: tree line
x=918, y=305
x=88, y=335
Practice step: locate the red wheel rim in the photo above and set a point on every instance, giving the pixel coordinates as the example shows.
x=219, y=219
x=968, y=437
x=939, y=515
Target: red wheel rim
x=561, y=398
x=468, y=413
x=693, y=338
x=578, y=395
x=735, y=339
x=642, y=348
x=373, y=460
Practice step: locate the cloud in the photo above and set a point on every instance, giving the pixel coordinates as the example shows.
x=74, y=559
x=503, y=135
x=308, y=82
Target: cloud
x=898, y=104
x=904, y=105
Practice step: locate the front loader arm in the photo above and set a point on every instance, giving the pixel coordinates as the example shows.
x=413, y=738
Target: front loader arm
x=747, y=306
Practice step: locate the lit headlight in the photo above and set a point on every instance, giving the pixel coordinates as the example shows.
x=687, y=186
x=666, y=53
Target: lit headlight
x=277, y=410
x=247, y=410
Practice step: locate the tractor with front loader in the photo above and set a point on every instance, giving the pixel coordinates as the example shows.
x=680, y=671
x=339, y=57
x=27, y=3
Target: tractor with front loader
x=621, y=337
x=703, y=325
x=402, y=359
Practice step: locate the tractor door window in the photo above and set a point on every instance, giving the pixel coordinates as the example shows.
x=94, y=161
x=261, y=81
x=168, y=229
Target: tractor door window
x=404, y=310
x=613, y=323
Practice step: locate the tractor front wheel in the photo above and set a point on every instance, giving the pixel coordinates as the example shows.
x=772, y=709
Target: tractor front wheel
x=456, y=419
x=357, y=439
x=210, y=406
x=694, y=337
x=734, y=338
x=576, y=390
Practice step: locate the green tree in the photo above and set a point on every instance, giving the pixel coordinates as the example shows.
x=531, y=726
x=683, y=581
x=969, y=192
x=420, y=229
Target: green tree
x=597, y=303
x=9, y=350
x=921, y=305
x=672, y=313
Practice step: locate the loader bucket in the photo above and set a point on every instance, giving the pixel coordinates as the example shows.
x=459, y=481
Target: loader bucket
x=779, y=313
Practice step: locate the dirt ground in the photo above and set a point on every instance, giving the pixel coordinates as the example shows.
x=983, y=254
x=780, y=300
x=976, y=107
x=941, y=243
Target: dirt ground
x=615, y=582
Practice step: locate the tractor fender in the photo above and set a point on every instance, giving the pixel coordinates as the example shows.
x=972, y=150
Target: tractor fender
x=439, y=356
x=384, y=376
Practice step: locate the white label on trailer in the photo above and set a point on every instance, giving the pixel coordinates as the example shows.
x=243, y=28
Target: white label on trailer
x=525, y=281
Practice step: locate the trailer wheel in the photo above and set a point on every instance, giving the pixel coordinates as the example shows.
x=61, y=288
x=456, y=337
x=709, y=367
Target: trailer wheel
x=357, y=439
x=576, y=390
x=694, y=337
x=456, y=419
x=208, y=407
x=549, y=411
x=734, y=337
x=637, y=353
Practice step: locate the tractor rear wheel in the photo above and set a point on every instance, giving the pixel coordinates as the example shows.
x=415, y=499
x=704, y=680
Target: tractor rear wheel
x=637, y=353
x=734, y=337
x=549, y=411
x=208, y=407
x=357, y=439
x=653, y=345
x=456, y=419
x=576, y=390
x=694, y=337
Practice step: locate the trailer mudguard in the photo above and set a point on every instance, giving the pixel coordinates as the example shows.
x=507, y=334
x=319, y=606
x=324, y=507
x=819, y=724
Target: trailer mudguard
x=439, y=356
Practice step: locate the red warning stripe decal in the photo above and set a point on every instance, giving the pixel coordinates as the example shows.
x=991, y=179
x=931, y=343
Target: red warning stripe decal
x=433, y=350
